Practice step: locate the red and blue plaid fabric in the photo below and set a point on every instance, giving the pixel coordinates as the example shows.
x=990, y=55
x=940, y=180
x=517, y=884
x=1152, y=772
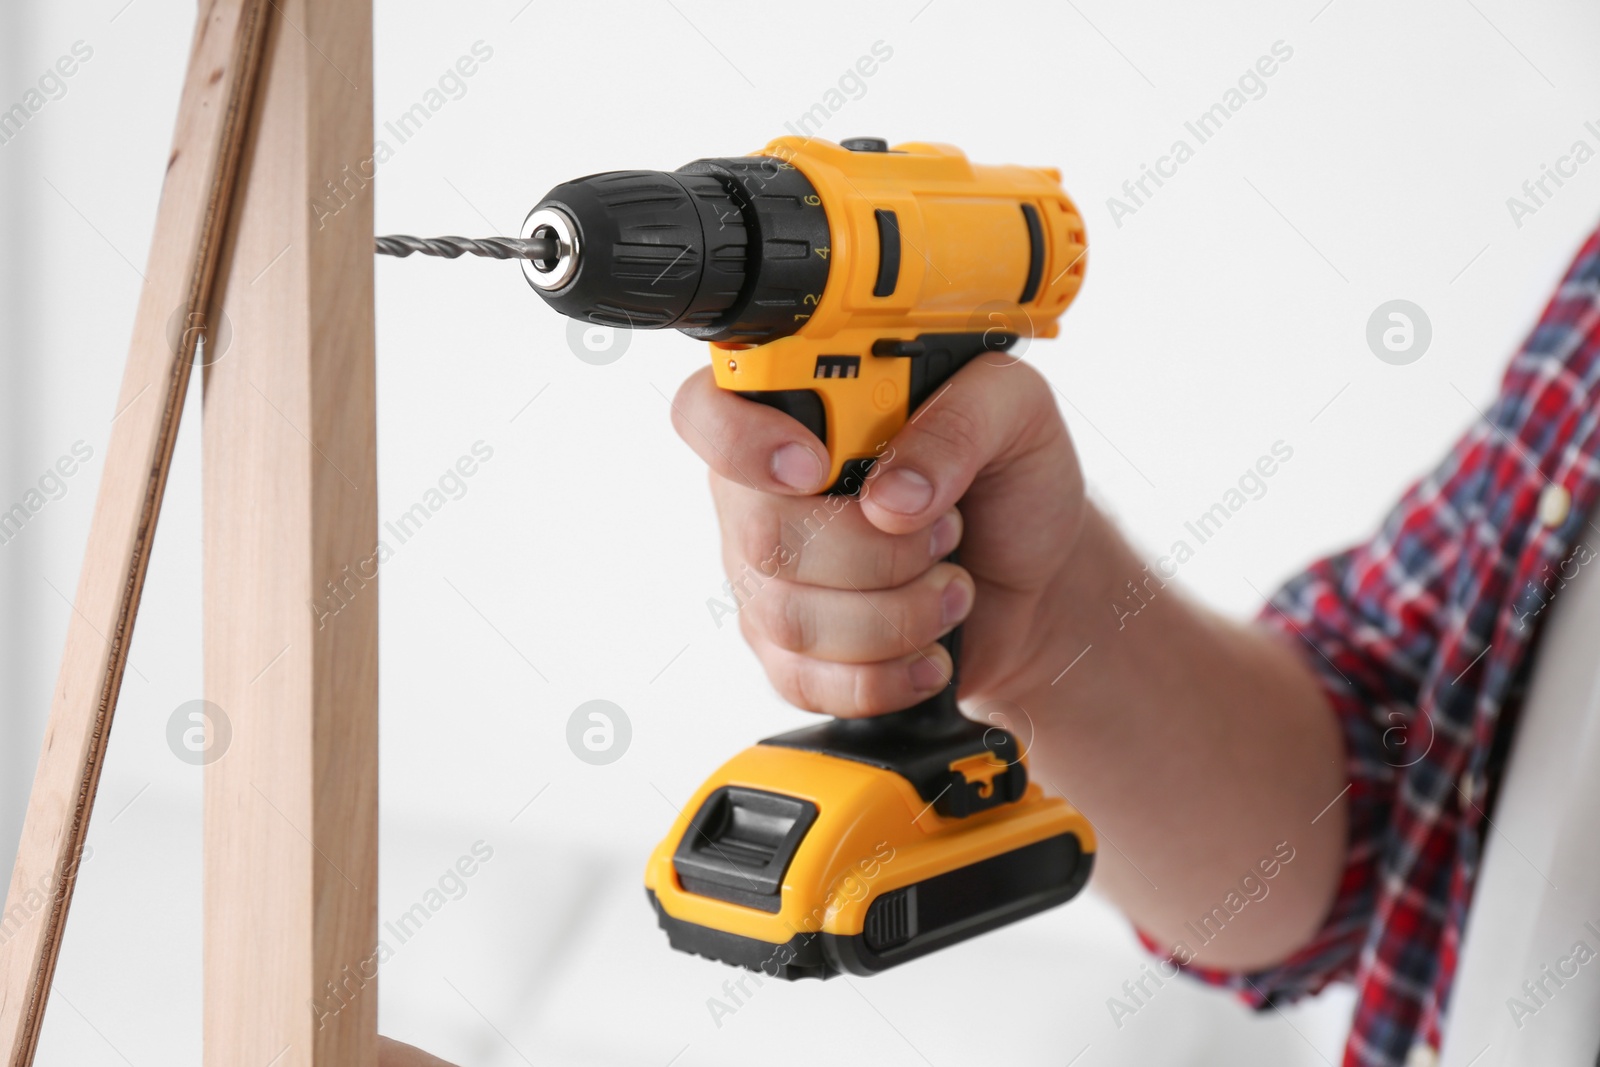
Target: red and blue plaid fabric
x=1423, y=638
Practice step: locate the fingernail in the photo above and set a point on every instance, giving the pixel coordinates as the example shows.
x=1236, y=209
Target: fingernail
x=902, y=491
x=955, y=602
x=797, y=467
x=927, y=676
x=946, y=532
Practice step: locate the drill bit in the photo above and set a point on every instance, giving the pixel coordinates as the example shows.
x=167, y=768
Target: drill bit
x=399, y=244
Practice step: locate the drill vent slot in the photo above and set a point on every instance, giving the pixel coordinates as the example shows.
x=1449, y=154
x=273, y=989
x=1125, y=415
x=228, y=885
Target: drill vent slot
x=837, y=367
x=892, y=919
x=1030, y=289
x=888, y=252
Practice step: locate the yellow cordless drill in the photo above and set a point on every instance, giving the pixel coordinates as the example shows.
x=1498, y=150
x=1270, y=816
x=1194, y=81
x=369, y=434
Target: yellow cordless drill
x=843, y=285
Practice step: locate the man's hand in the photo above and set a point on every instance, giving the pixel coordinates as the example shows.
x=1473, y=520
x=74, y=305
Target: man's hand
x=855, y=595
x=1196, y=744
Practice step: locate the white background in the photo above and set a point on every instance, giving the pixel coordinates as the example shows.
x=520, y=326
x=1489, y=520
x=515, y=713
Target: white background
x=1226, y=314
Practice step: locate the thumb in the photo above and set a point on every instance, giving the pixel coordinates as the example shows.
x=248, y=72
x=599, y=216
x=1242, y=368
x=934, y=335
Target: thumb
x=986, y=414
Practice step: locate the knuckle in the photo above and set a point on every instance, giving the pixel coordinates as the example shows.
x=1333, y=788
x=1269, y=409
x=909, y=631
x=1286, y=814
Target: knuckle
x=684, y=400
x=749, y=629
x=955, y=428
x=904, y=558
x=758, y=537
x=1034, y=396
x=916, y=619
x=680, y=425
x=719, y=430
x=798, y=531
x=1028, y=379
x=861, y=691
x=887, y=618
x=804, y=686
x=787, y=678
x=908, y=615
x=789, y=621
x=884, y=564
x=872, y=693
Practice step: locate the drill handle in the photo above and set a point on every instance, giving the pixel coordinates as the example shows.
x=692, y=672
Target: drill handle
x=840, y=399
x=941, y=706
x=855, y=404
x=855, y=390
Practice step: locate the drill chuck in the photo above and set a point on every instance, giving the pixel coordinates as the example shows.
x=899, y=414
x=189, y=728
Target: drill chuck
x=722, y=249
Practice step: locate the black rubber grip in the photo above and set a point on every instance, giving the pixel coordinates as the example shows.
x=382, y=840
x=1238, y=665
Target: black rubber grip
x=802, y=405
x=938, y=356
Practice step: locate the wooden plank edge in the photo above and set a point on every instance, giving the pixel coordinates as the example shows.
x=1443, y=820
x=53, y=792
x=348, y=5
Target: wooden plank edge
x=244, y=68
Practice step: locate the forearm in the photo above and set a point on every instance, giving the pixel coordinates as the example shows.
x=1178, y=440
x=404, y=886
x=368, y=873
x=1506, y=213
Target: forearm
x=1197, y=746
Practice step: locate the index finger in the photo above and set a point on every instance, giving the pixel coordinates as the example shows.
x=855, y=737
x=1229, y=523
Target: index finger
x=747, y=442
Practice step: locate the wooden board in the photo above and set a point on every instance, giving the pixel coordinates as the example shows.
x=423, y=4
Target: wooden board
x=291, y=598
x=179, y=278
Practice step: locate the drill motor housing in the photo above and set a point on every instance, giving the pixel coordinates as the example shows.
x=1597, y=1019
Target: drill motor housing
x=840, y=284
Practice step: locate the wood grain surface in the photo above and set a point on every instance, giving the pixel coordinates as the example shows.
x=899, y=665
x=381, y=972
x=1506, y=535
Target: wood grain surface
x=178, y=289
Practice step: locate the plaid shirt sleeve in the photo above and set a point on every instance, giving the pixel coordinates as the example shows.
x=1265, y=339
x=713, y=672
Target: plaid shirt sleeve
x=1368, y=622
x=1421, y=639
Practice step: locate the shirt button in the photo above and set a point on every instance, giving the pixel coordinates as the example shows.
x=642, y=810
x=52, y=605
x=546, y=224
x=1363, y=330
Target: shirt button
x=1555, y=504
x=1468, y=786
x=1422, y=1056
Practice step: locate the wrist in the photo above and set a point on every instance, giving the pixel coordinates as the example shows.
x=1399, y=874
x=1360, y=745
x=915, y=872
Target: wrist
x=1094, y=577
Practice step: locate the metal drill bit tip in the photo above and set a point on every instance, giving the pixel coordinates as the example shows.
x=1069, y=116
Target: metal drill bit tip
x=402, y=245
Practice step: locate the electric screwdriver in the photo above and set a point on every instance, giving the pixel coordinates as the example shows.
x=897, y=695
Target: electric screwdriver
x=843, y=285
